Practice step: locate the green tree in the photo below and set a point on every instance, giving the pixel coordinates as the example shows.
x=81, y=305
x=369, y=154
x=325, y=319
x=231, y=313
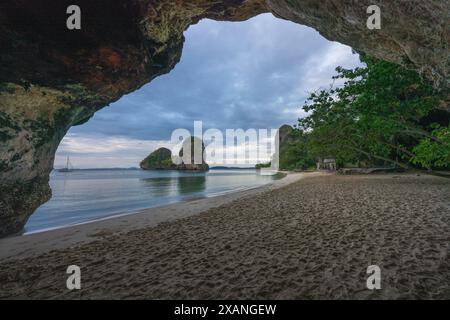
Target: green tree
x=376, y=117
x=431, y=153
x=294, y=154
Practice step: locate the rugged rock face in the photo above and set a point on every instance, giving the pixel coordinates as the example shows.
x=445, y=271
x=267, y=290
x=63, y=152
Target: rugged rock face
x=192, y=155
x=33, y=120
x=160, y=159
x=285, y=135
x=52, y=78
x=414, y=33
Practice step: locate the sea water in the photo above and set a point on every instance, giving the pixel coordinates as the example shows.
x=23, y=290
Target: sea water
x=81, y=196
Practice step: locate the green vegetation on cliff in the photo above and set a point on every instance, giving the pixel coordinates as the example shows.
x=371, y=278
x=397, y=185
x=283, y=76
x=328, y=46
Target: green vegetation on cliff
x=159, y=159
x=294, y=153
x=383, y=115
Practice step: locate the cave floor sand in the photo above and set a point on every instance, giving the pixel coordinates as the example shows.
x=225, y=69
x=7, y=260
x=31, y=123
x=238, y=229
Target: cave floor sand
x=313, y=238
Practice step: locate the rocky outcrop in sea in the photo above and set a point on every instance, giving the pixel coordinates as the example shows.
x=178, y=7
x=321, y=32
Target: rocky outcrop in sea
x=191, y=158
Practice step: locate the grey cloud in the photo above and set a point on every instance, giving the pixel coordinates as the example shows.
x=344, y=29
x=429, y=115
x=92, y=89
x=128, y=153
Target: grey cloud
x=249, y=74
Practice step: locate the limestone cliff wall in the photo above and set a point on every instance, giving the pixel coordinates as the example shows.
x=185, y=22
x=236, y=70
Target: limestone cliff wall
x=52, y=78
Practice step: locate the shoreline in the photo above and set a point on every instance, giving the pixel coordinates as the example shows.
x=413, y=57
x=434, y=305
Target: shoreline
x=133, y=212
x=38, y=242
x=38, y=222
x=314, y=238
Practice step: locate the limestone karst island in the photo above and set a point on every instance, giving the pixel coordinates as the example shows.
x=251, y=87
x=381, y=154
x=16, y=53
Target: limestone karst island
x=227, y=152
x=163, y=159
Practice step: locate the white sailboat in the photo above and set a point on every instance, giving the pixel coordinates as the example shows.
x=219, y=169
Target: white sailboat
x=68, y=168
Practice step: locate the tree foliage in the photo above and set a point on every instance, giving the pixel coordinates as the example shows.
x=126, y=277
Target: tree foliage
x=382, y=115
x=295, y=154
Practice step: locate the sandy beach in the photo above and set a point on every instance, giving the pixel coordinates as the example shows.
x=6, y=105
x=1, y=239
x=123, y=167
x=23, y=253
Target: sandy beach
x=309, y=236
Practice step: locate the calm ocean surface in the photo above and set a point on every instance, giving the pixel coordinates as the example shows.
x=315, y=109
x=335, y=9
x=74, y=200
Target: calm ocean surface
x=85, y=195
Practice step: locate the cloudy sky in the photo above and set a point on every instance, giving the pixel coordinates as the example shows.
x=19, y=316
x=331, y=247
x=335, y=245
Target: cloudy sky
x=252, y=74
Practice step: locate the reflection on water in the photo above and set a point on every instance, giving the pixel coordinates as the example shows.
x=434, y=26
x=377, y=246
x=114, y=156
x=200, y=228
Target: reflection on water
x=85, y=195
x=159, y=187
x=191, y=184
x=164, y=186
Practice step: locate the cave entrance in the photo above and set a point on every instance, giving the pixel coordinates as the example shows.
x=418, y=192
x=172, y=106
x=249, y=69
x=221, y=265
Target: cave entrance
x=251, y=74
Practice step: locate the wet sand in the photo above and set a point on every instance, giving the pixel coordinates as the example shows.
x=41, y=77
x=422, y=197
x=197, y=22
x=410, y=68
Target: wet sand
x=313, y=238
